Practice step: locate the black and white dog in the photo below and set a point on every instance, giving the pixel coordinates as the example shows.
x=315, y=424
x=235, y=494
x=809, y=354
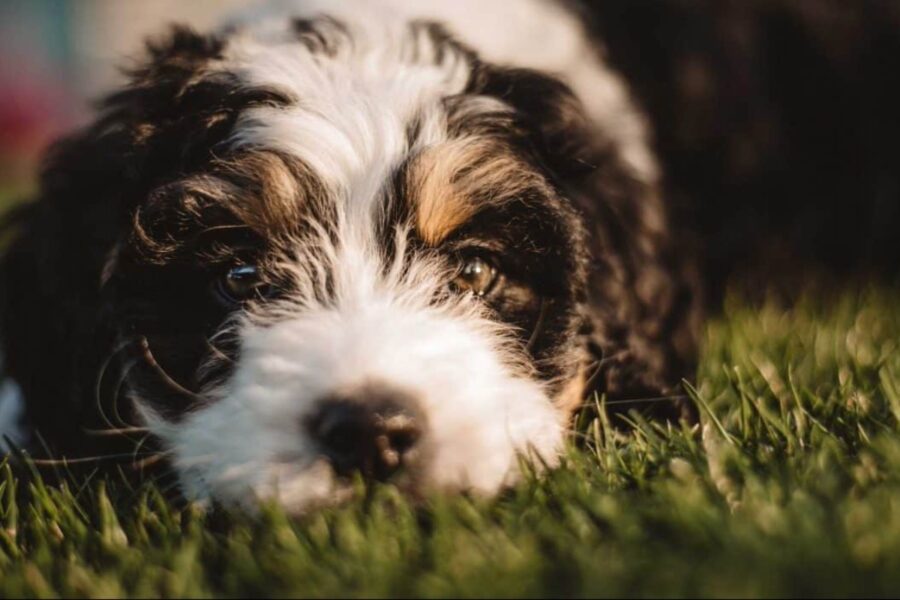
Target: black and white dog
x=402, y=238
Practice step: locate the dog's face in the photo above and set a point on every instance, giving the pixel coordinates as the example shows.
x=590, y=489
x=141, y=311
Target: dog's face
x=326, y=249
x=371, y=270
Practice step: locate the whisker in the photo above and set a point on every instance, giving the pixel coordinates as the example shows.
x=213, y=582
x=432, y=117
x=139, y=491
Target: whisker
x=101, y=375
x=635, y=401
x=117, y=392
x=166, y=378
x=599, y=366
x=647, y=400
x=115, y=431
x=539, y=325
x=219, y=354
x=139, y=445
x=224, y=228
x=64, y=462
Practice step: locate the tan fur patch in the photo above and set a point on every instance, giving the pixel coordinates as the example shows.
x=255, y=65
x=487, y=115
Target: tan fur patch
x=266, y=191
x=275, y=191
x=263, y=191
x=450, y=182
x=571, y=397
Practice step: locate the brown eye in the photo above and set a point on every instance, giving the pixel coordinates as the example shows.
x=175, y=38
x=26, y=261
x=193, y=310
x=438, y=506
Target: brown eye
x=241, y=283
x=477, y=275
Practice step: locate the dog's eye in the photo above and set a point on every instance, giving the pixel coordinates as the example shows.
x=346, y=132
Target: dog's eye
x=241, y=283
x=476, y=275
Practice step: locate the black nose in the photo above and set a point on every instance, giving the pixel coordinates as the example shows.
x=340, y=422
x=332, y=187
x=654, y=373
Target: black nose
x=374, y=430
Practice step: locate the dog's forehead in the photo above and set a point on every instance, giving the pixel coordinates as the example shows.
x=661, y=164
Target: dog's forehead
x=353, y=102
x=369, y=110
x=353, y=105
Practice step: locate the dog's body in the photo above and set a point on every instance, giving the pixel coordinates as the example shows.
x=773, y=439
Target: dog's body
x=406, y=239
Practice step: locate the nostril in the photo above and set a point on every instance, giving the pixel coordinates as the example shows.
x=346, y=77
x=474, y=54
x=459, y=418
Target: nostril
x=373, y=431
x=403, y=440
x=396, y=436
x=344, y=431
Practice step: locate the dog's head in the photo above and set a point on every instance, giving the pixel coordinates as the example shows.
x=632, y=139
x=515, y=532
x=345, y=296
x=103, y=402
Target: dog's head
x=321, y=248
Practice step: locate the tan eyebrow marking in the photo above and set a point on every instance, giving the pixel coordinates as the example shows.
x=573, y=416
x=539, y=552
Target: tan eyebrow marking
x=451, y=181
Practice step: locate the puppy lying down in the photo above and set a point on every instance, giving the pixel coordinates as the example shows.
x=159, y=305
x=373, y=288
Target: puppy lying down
x=402, y=239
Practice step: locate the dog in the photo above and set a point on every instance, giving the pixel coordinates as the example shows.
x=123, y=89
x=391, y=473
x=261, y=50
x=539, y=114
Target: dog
x=406, y=240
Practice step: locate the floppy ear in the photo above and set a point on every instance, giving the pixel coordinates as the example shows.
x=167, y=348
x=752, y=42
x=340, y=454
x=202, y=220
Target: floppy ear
x=49, y=279
x=53, y=329
x=641, y=303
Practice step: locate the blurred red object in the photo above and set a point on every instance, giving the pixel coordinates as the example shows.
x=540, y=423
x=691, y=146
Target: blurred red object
x=31, y=110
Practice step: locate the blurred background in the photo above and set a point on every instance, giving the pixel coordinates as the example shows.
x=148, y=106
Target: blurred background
x=57, y=56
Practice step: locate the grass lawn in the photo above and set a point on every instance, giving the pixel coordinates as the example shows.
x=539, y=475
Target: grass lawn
x=791, y=487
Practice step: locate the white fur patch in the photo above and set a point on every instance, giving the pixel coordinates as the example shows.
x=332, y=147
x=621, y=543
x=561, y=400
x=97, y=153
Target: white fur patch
x=349, y=123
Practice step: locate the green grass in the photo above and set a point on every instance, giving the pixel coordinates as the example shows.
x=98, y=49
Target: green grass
x=792, y=488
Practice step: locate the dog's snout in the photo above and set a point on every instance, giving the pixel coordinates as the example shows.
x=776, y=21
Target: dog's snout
x=375, y=431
